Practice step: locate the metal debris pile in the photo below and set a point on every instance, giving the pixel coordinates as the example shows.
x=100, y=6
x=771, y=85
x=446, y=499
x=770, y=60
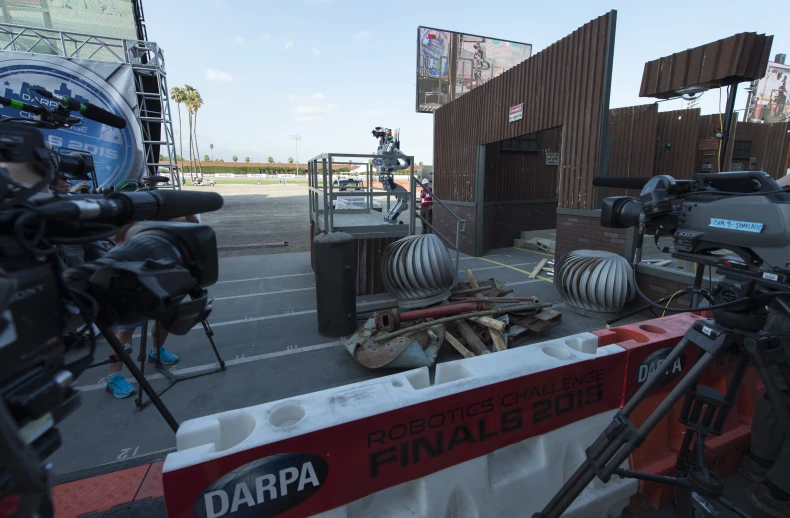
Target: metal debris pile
x=477, y=319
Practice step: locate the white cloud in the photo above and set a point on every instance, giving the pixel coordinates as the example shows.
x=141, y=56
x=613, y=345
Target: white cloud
x=315, y=51
x=218, y=75
x=318, y=96
x=319, y=1
x=239, y=39
x=291, y=97
x=288, y=44
x=265, y=36
x=364, y=34
x=307, y=118
x=308, y=109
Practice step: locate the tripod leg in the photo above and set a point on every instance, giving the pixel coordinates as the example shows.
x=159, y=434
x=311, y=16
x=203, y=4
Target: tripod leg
x=141, y=358
x=210, y=336
x=621, y=438
x=144, y=385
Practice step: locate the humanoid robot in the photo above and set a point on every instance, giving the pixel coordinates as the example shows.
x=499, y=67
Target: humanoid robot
x=392, y=159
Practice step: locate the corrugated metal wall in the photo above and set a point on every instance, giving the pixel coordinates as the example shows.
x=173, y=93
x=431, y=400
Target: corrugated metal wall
x=566, y=84
x=672, y=146
x=742, y=57
x=632, y=144
x=677, y=142
x=522, y=176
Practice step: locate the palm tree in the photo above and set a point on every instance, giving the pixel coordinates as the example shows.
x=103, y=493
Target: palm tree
x=290, y=160
x=212, y=151
x=247, y=160
x=194, y=102
x=206, y=158
x=235, y=158
x=270, y=160
x=178, y=95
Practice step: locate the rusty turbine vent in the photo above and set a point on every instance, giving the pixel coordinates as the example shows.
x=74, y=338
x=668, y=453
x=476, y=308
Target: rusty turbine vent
x=594, y=281
x=417, y=270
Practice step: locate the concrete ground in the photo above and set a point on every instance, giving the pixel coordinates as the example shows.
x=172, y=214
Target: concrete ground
x=254, y=215
x=265, y=323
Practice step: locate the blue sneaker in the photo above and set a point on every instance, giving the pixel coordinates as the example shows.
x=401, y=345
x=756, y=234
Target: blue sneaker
x=119, y=387
x=167, y=358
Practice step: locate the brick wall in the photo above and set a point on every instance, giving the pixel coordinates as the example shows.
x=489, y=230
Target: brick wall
x=584, y=232
x=504, y=223
x=445, y=223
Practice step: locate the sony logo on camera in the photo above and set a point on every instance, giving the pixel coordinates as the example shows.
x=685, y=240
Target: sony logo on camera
x=263, y=488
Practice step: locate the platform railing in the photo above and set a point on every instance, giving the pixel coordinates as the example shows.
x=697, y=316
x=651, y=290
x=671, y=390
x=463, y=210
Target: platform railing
x=460, y=226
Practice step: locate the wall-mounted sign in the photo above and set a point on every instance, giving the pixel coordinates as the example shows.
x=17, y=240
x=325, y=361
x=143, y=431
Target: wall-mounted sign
x=516, y=112
x=707, y=162
x=708, y=144
x=753, y=164
x=552, y=159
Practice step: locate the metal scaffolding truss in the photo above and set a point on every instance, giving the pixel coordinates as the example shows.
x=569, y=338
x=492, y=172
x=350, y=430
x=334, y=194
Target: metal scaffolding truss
x=148, y=64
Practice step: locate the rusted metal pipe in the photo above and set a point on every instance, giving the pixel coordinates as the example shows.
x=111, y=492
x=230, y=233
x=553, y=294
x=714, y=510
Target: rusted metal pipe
x=391, y=319
x=494, y=299
x=492, y=323
x=515, y=308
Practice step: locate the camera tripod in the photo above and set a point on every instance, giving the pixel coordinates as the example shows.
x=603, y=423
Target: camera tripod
x=704, y=411
x=172, y=378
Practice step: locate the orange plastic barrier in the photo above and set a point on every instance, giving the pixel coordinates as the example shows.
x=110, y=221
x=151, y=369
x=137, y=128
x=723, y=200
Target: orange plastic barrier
x=647, y=344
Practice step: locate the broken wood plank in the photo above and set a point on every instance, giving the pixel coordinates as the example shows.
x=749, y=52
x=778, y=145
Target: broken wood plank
x=458, y=346
x=499, y=340
x=537, y=269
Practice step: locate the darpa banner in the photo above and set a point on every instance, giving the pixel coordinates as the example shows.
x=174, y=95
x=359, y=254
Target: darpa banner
x=117, y=153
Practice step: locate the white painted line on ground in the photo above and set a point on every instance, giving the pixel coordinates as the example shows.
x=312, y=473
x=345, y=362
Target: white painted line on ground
x=229, y=363
x=263, y=293
x=265, y=278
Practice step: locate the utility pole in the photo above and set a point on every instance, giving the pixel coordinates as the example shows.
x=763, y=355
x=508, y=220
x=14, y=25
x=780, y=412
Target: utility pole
x=296, y=139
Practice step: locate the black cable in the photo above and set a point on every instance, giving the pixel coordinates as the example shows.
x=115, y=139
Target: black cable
x=715, y=306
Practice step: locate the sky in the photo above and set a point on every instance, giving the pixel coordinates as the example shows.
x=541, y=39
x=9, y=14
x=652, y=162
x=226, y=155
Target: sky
x=332, y=70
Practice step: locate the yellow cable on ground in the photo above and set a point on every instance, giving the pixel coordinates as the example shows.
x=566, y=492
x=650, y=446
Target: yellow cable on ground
x=670, y=301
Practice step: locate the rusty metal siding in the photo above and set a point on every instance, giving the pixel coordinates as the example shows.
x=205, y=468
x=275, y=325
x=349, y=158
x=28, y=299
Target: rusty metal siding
x=368, y=254
x=742, y=57
x=677, y=142
x=522, y=176
x=563, y=85
x=632, y=144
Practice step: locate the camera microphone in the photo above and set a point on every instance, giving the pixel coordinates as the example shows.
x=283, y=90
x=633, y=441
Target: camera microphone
x=122, y=207
x=623, y=183
x=90, y=111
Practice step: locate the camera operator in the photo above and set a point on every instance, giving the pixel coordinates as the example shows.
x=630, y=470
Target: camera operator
x=116, y=383
x=768, y=461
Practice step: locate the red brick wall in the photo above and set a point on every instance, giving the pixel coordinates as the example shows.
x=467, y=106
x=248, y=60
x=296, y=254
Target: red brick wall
x=578, y=232
x=446, y=224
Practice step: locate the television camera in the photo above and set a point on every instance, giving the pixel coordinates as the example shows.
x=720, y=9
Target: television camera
x=748, y=215
x=49, y=314
x=392, y=159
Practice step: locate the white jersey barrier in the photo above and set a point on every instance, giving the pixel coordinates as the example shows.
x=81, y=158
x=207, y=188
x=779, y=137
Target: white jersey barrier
x=494, y=435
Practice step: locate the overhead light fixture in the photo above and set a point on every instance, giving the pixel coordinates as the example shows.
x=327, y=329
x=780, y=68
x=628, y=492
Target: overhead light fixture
x=690, y=93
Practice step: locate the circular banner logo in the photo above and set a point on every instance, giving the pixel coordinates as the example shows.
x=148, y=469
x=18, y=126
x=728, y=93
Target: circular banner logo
x=117, y=153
